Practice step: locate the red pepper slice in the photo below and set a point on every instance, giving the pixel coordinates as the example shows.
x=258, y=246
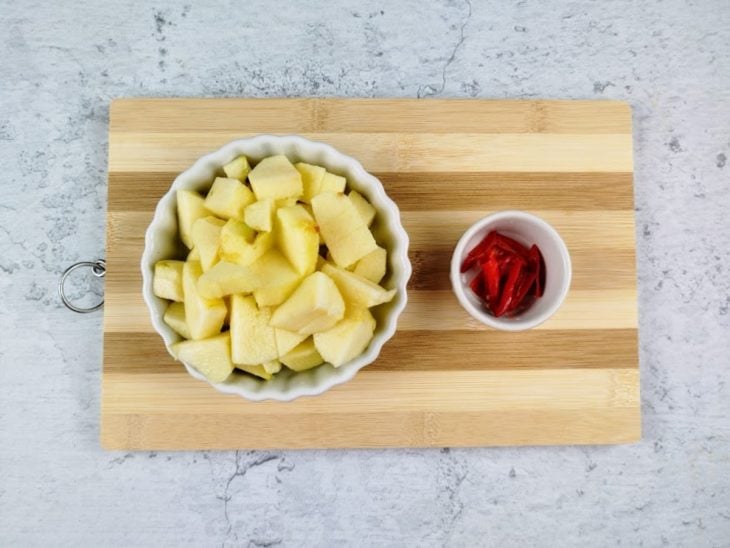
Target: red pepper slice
x=491, y=275
x=508, y=293
x=513, y=246
x=536, y=262
x=481, y=249
x=477, y=284
x=523, y=288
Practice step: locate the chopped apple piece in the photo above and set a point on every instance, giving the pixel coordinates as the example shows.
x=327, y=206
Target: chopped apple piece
x=234, y=249
x=286, y=202
x=315, y=305
x=194, y=255
x=357, y=291
x=373, y=265
x=298, y=239
x=167, y=281
x=308, y=208
x=343, y=230
x=278, y=279
x=287, y=340
x=311, y=179
x=332, y=183
x=226, y=279
x=203, y=316
x=190, y=208
x=227, y=319
x=237, y=168
x=364, y=208
x=228, y=197
x=206, y=237
x=212, y=356
x=275, y=177
x=256, y=370
x=259, y=215
x=175, y=318
x=274, y=295
x=272, y=366
x=235, y=235
x=347, y=339
x=303, y=357
x=252, y=339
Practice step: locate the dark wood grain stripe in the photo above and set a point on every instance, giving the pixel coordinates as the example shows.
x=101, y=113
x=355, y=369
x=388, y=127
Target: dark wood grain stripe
x=427, y=351
x=140, y=191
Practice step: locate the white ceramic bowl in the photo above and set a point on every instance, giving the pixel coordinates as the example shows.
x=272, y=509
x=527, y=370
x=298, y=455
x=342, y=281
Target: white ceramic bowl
x=527, y=229
x=162, y=242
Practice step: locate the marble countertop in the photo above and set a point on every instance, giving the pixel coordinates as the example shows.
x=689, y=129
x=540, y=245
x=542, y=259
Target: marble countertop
x=61, y=64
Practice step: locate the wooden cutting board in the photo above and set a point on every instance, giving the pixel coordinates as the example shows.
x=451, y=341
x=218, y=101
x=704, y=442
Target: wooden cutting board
x=444, y=379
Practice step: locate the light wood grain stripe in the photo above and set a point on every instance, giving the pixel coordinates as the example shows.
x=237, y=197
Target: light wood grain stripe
x=414, y=152
x=363, y=429
x=485, y=390
x=140, y=191
x=425, y=351
x=427, y=310
x=592, y=269
x=368, y=115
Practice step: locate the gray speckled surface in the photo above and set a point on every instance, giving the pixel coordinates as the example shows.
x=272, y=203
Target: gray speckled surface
x=61, y=64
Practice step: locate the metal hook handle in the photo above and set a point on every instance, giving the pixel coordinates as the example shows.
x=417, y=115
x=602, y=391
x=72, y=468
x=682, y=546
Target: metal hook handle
x=98, y=269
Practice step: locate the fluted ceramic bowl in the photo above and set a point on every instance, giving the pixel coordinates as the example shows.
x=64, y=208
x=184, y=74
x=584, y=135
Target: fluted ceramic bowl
x=162, y=242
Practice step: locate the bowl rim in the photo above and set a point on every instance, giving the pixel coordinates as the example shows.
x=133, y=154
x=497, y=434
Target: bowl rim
x=218, y=158
x=459, y=288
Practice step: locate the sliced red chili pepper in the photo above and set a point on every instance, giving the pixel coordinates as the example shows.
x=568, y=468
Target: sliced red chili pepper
x=508, y=293
x=477, y=284
x=526, y=283
x=479, y=250
x=491, y=275
x=513, y=246
x=536, y=262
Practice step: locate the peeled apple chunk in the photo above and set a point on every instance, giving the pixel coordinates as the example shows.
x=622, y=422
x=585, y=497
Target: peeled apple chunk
x=332, y=183
x=241, y=245
x=226, y=278
x=275, y=177
x=298, y=239
x=356, y=290
x=287, y=340
x=167, y=281
x=364, y=208
x=344, y=232
x=237, y=168
x=259, y=215
x=204, y=316
x=206, y=237
x=311, y=179
x=190, y=208
x=272, y=367
x=228, y=197
x=211, y=356
x=302, y=357
x=252, y=339
x=175, y=318
x=347, y=339
x=278, y=279
x=315, y=305
x=257, y=370
x=373, y=265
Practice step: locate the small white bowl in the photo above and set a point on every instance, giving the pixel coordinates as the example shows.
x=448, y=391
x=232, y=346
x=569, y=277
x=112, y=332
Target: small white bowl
x=162, y=242
x=528, y=230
